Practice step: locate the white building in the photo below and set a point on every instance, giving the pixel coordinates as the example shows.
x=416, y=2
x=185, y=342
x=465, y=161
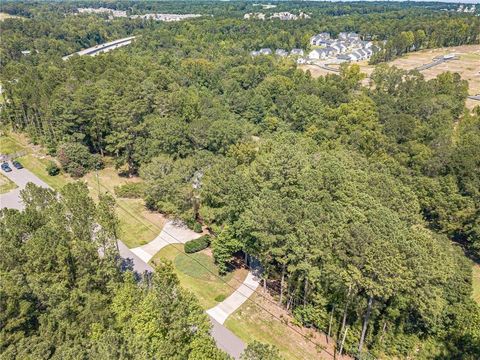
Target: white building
x=296, y=52
x=318, y=54
x=259, y=16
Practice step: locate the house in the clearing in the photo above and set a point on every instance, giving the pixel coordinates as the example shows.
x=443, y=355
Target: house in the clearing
x=281, y=52
x=335, y=47
x=356, y=56
x=320, y=39
x=265, y=51
x=296, y=52
x=343, y=57
x=318, y=54
x=331, y=51
x=254, y=53
x=353, y=36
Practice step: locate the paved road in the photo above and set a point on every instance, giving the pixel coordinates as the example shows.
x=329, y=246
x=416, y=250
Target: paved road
x=21, y=178
x=224, y=338
x=435, y=62
x=139, y=265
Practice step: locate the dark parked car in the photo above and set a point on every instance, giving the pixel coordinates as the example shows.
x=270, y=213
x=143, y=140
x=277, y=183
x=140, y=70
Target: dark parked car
x=6, y=168
x=17, y=164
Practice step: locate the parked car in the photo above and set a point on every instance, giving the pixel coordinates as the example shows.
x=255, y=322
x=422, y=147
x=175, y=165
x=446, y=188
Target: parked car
x=17, y=164
x=6, y=168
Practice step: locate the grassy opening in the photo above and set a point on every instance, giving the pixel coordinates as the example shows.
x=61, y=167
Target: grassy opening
x=253, y=321
x=192, y=272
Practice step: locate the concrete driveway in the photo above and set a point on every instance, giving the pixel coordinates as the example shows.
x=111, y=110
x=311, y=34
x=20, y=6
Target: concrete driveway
x=224, y=338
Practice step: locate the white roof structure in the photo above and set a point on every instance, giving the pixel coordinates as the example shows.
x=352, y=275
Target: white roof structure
x=296, y=52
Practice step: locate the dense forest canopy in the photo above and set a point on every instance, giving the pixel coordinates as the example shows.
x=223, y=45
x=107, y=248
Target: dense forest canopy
x=360, y=201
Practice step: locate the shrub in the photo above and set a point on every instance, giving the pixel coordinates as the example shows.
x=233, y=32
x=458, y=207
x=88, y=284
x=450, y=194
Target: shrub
x=52, y=169
x=220, y=298
x=197, y=227
x=196, y=245
x=131, y=190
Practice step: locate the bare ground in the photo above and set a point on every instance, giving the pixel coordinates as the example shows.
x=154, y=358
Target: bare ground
x=468, y=66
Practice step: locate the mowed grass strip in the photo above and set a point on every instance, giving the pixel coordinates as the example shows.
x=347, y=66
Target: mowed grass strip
x=6, y=184
x=198, y=273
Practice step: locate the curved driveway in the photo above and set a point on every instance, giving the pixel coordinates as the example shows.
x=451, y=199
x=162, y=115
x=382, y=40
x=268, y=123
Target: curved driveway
x=224, y=338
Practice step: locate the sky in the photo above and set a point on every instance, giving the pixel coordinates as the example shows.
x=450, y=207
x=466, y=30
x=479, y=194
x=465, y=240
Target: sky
x=438, y=1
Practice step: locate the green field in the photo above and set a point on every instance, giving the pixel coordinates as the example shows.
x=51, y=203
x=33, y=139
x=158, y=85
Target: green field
x=252, y=322
x=198, y=273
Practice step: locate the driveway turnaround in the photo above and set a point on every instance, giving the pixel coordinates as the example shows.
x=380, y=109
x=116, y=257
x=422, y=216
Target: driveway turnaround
x=172, y=233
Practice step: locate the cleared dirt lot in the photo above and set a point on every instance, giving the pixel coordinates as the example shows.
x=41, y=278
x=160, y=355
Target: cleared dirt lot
x=467, y=65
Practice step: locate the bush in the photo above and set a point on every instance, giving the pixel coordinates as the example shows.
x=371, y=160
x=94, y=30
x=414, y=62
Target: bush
x=197, y=227
x=52, y=169
x=196, y=245
x=132, y=190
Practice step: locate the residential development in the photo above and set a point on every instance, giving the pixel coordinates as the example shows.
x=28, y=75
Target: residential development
x=121, y=13
x=102, y=10
x=165, y=17
x=285, y=15
x=347, y=47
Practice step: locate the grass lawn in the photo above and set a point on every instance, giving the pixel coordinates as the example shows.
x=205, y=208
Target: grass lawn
x=8, y=145
x=476, y=283
x=194, y=276
x=137, y=225
x=252, y=322
x=6, y=184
